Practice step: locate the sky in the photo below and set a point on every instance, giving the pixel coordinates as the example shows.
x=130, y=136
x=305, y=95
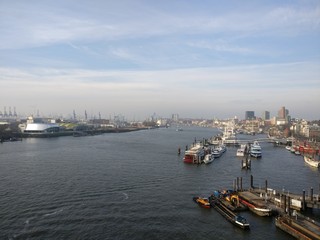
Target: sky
x=198, y=59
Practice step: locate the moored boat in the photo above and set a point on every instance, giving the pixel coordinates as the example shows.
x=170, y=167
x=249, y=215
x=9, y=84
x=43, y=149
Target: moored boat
x=219, y=150
x=194, y=155
x=311, y=161
x=260, y=211
x=203, y=202
x=255, y=203
x=240, y=152
x=235, y=219
x=255, y=150
x=208, y=158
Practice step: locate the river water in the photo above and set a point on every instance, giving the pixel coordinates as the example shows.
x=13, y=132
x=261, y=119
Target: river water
x=133, y=186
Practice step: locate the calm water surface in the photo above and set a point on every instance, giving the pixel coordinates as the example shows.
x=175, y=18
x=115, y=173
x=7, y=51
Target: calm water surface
x=133, y=186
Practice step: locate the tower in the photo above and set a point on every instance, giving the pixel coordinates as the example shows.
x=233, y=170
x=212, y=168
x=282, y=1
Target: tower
x=282, y=113
x=266, y=115
x=249, y=115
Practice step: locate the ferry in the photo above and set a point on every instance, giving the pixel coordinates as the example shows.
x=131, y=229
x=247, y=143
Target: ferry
x=255, y=150
x=218, y=151
x=194, y=155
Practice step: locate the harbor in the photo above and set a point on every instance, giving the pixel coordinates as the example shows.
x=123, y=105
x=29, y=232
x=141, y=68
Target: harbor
x=101, y=185
x=288, y=208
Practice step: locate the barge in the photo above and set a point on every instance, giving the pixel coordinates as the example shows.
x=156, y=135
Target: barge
x=299, y=227
x=255, y=204
x=235, y=219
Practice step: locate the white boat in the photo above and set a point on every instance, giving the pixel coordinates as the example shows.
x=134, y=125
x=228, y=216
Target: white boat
x=312, y=162
x=242, y=150
x=208, y=158
x=255, y=150
x=218, y=151
x=288, y=148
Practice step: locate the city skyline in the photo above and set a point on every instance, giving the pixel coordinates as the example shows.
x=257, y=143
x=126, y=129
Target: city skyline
x=11, y=113
x=201, y=60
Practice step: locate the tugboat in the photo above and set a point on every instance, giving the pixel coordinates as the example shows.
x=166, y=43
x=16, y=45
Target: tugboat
x=203, y=202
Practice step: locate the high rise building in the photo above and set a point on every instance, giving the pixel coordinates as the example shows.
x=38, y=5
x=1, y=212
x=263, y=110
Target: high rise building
x=249, y=115
x=266, y=115
x=282, y=113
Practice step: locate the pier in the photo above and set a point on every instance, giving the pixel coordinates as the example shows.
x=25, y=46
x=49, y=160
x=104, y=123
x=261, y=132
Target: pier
x=286, y=205
x=298, y=226
x=299, y=202
x=237, y=142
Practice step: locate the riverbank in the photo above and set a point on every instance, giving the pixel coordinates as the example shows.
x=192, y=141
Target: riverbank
x=14, y=136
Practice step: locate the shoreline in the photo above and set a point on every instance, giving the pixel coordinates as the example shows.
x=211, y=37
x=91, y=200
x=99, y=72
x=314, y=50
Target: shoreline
x=19, y=136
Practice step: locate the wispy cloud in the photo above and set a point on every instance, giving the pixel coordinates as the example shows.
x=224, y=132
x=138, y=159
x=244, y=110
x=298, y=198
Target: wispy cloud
x=161, y=54
x=55, y=25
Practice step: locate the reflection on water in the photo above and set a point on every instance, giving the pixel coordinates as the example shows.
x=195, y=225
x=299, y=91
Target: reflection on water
x=133, y=186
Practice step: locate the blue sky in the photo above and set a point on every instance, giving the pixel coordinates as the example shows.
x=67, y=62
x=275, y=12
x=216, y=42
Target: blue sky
x=135, y=58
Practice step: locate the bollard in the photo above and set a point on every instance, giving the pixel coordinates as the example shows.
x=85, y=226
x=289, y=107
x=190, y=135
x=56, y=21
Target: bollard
x=251, y=181
x=303, y=200
x=240, y=183
x=266, y=186
x=285, y=203
x=237, y=183
x=289, y=212
x=311, y=194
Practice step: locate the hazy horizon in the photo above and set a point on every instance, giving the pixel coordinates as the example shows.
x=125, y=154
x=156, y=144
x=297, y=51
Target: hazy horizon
x=135, y=58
